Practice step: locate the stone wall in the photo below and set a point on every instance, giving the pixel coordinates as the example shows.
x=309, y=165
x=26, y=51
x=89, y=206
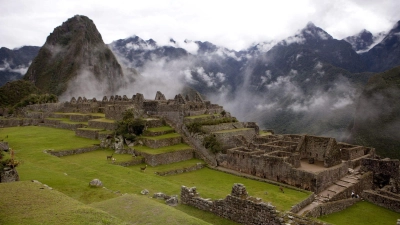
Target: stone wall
x=227, y=139
x=364, y=183
x=302, y=204
x=80, y=118
x=102, y=125
x=154, y=143
x=388, y=167
x=182, y=170
x=12, y=122
x=326, y=178
x=72, y=151
x=222, y=126
x=331, y=207
x=87, y=133
x=167, y=158
x=382, y=200
x=237, y=206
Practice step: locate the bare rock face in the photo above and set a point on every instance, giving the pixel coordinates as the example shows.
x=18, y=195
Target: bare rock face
x=95, y=183
x=73, y=57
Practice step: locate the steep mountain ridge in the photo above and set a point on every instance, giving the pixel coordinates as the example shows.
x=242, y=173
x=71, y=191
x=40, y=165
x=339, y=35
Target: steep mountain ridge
x=384, y=55
x=364, y=40
x=15, y=62
x=377, y=118
x=72, y=49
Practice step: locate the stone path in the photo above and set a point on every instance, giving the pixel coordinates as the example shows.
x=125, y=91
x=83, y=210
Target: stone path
x=339, y=186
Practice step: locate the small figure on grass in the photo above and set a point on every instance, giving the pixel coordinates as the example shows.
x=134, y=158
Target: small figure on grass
x=281, y=189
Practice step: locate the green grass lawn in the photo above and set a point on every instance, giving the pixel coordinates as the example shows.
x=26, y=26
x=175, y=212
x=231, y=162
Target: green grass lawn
x=171, y=148
x=31, y=203
x=363, y=213
x=70, y=175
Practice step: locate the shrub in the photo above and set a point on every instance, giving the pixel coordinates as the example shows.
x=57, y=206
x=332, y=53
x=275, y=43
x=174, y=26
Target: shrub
x=195, y=127
x=129, y=127
x=211, y=143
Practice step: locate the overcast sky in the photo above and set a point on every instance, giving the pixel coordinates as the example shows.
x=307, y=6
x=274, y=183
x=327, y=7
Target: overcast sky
x=233, y=24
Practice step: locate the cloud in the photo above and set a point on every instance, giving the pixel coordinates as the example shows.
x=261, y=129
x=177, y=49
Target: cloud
x=237, y=28
x=21, y=69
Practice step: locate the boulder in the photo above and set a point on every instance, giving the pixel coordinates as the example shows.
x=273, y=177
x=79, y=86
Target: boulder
x=144, y=192
x=159, y=195
x=173, y=201
x=4, y=146
x=95, y=183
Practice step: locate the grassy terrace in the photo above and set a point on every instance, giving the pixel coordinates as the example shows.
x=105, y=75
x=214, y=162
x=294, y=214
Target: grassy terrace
x=232, y=130
x=264, y=133
x=104, y=120
x=160, y=129
x=160, y=137
x=67, y=120
x=172, y=148
x=72, y=202
x=88, y=128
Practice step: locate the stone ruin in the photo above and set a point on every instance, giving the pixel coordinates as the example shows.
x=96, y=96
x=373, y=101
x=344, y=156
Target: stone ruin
x=241, y=208
x=308, y=162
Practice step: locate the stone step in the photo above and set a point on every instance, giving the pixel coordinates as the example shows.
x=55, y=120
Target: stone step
x=349, y=180
x=343, y=183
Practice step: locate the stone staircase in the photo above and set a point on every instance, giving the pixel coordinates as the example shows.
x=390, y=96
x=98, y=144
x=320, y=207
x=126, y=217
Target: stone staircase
x=341, y=187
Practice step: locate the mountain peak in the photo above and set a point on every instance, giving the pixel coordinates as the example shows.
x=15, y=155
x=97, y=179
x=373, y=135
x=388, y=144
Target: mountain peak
x=74, y=48
x=312, y=32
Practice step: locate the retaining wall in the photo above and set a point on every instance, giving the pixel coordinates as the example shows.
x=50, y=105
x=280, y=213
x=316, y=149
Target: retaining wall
x=332, y=207
x=72, y=152
x=167, y=158
x=382, y=200
x=304, y=203
x=162, y=142
x=91, y=134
